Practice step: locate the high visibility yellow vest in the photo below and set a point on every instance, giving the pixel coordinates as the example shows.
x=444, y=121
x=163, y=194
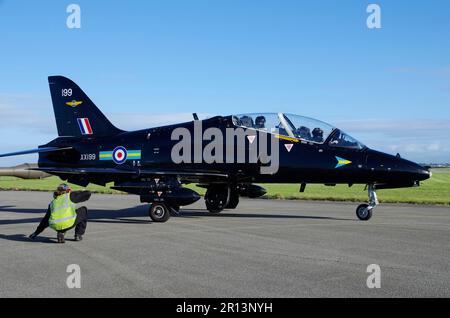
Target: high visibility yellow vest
x=63, y=213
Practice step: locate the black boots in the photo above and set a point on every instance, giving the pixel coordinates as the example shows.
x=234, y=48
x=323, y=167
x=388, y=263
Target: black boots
x=60, y=237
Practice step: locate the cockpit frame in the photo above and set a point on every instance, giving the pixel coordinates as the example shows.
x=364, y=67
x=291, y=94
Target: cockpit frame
x=322, y=133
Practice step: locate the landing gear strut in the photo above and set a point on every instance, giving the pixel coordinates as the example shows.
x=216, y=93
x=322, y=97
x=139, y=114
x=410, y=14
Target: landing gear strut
x=364, y=211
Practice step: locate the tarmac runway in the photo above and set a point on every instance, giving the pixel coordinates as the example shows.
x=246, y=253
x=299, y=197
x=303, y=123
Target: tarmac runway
x=264, y=248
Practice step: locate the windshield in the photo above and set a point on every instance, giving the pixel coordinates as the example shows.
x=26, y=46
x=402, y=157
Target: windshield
x=308, y=128
x=341, y=139
x=295, y=126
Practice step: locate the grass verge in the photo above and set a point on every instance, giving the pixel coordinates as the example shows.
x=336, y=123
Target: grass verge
x=433, y=191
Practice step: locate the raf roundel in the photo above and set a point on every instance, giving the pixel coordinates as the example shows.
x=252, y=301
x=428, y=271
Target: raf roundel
x=119, y=155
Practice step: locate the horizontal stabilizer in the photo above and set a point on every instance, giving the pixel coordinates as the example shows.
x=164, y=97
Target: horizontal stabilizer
x=38, y=150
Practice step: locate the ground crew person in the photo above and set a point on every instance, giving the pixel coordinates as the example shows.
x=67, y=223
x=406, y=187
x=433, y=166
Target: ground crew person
x=62, y=215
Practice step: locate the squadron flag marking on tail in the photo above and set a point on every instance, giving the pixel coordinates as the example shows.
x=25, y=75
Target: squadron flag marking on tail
x=85, y=126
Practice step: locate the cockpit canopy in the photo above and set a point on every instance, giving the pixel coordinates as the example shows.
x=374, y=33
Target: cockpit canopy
x=300, y=127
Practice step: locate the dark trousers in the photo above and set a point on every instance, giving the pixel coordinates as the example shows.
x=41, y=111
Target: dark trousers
x=80, y=222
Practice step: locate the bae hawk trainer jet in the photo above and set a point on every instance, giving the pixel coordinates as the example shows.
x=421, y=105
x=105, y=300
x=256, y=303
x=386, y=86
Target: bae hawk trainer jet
x=89, y=149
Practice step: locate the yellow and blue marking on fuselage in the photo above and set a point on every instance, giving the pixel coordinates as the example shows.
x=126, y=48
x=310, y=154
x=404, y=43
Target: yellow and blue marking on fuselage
x=342, y=162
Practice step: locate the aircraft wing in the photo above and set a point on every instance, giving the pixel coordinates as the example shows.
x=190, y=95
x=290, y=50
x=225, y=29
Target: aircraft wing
x=195, y=173
x=136, y=172
x=84, y=171
x=38, y=150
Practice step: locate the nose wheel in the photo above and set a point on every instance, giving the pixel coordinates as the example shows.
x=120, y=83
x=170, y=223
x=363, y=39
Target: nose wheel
x=159, y=212
x=364, y=211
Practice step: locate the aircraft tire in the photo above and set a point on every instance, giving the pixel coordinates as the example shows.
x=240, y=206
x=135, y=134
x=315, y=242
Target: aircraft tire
x=234, y=200
x=363, y=212
x=217, y=198
x=159, y=212
x=213, y=208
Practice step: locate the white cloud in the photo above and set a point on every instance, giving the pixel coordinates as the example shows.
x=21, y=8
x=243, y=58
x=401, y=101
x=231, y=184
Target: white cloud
x=403, y=128
x=426, y=140
x=26, y=113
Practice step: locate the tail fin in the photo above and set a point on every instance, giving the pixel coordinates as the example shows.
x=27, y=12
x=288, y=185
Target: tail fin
x=76, y=115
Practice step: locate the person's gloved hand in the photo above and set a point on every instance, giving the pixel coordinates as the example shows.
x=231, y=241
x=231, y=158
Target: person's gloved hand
x=33, y=236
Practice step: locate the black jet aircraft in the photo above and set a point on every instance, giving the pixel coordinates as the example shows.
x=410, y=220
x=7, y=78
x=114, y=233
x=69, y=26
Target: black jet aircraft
x=89, y=149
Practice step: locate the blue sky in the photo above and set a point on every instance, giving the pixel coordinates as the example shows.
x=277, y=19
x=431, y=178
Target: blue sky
x=146, y=63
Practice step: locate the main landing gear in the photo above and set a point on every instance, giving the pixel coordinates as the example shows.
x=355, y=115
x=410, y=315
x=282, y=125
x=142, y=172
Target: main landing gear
x=217, y=197
x=364, y=211
x=220, y=197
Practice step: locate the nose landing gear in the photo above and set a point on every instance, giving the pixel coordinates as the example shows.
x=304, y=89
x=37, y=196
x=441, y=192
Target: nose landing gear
x=159, y=212
x=364, y=211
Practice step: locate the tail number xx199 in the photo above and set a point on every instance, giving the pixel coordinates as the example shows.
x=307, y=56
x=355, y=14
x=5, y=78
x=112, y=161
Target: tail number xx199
x=88, y=157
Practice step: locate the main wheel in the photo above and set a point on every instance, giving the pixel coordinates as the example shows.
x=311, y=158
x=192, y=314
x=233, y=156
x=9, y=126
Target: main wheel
x=234, y=200
x=159, y=212
x=364, y=212
x=217, y=198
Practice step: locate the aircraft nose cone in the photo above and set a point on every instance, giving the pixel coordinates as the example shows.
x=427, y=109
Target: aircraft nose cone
x=424, y=173
x=395, y=169
x=416, y=171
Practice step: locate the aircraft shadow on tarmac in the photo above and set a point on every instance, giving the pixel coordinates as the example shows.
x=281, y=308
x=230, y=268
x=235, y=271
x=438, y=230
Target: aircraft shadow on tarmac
x=24, y=238
x=127, y=215
x=107, y=216
x=124, y=216
x=192, y=213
